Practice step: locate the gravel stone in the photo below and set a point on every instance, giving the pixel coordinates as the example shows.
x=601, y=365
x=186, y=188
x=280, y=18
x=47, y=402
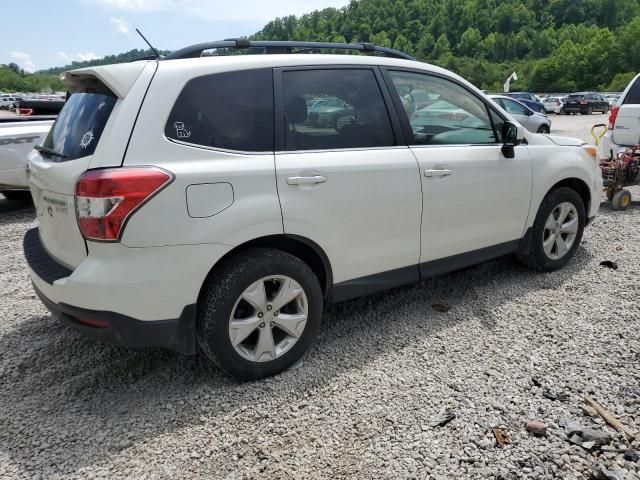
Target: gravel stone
x=381, y=369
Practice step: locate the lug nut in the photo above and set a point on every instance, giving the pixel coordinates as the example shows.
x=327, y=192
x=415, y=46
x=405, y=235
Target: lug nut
x=260, y=315
x=269, y=307
x=262, y=325
x=275, y=314
x=271, y=324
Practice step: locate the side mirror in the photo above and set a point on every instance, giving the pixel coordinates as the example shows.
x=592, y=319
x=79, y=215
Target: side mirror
x=511, y=138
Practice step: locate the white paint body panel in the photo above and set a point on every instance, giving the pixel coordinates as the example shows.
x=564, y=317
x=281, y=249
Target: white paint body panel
x=365, y=216
x=14, y=154
x=483, y=202
x=208, y=199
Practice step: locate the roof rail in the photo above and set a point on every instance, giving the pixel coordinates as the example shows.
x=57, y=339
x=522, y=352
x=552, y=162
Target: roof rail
x=194, y=51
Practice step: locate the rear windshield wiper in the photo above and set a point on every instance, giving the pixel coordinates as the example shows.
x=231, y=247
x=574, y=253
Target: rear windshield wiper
x=49, y=151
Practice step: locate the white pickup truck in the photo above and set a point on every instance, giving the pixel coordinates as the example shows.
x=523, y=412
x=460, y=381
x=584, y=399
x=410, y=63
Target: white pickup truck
x=18, y=136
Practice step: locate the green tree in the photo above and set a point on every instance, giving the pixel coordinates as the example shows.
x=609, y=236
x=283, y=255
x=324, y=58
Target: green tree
x=442, y=47
x=470, y=41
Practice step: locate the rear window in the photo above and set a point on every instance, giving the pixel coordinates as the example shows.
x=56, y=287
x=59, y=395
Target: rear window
x=633, y=95
x=231, y=111
x=78, y=128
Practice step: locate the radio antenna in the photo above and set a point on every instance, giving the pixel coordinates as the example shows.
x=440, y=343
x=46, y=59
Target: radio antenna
x=147, y=42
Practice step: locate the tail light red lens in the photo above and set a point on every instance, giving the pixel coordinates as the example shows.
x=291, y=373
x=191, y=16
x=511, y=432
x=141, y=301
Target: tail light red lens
x=613, y=115
x=583, y=102
x=106, y=199
x=24, y=111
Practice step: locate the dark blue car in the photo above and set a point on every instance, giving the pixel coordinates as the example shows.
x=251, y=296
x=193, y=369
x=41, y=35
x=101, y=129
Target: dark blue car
x=529, y=99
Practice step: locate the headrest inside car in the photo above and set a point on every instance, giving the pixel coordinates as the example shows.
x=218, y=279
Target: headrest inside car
x=296, y=110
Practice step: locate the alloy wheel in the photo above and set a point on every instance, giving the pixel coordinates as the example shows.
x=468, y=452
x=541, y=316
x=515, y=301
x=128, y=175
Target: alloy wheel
x=560, y=231
x=268, y=318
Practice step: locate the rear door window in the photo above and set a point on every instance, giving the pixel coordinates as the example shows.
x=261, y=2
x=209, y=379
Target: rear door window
x=230, y=111
x=334, y=108
x=78, y=128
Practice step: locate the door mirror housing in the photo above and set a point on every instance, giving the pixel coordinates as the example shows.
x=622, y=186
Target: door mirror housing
x=512, y=136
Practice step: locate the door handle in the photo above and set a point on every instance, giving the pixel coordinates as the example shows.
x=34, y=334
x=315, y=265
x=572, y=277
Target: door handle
x=306, y=180
x=437, y=173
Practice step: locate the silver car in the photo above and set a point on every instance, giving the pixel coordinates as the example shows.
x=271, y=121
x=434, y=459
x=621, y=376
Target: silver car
x=532, y=121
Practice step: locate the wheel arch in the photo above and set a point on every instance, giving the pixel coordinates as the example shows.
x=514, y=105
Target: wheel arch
x=579, y=186
x=305, y=249
x=574, y=183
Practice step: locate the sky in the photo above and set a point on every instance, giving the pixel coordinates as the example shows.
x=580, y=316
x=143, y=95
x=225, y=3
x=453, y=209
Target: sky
x=53, y=33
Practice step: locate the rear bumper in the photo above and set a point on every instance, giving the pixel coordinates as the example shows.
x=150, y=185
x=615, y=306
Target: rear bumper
x=127, y=296
x=177, y=334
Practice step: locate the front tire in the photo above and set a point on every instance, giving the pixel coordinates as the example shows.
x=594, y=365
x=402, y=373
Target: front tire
x=556, y=232
x=543, y=129
x=258, y=312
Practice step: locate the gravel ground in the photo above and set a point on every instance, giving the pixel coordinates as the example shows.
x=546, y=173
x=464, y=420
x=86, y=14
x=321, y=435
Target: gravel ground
x=514, y=346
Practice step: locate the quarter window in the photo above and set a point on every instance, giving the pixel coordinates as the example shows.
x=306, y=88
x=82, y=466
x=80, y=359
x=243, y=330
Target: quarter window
x=231, y=110
x=442, y=112
x=334, y=108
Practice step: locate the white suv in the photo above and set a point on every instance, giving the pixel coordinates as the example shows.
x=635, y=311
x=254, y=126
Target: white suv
x=190, y=202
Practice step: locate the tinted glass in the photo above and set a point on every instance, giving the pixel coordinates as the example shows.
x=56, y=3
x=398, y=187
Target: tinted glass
x=78, y=128
x=231, y=110
x=452, y=115
x=328, y=109
x=633, y=95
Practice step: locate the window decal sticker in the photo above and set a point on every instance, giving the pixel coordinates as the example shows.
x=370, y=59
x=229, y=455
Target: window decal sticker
x=86, y=139
x=181, y=132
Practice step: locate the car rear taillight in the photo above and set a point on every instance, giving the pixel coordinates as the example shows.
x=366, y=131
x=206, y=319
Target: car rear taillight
x=24, y=111
x=613, y=115
x=106, y=199
x=583, y=102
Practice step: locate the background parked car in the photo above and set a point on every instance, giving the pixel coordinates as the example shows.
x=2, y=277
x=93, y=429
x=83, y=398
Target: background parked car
x=624, y=126
x=532, y=121
x=7, y=102
x=553, y=105
x=26, y=107
x=612, y=98
x=327, y=111
x=529, y=99
x=586, y=103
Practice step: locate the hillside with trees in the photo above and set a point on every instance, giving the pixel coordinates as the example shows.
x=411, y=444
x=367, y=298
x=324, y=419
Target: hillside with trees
x=14, y=79
x=553, y=45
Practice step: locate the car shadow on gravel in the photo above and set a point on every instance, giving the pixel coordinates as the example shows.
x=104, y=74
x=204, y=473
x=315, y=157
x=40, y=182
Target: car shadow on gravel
x=67, y=402
x=14, y=211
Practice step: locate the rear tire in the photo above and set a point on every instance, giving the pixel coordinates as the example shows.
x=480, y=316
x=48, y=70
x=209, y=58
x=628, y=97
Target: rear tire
x=561, y=232
x=225, y=313
x=621, y=200
x=18, y=196
x=543, y=129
